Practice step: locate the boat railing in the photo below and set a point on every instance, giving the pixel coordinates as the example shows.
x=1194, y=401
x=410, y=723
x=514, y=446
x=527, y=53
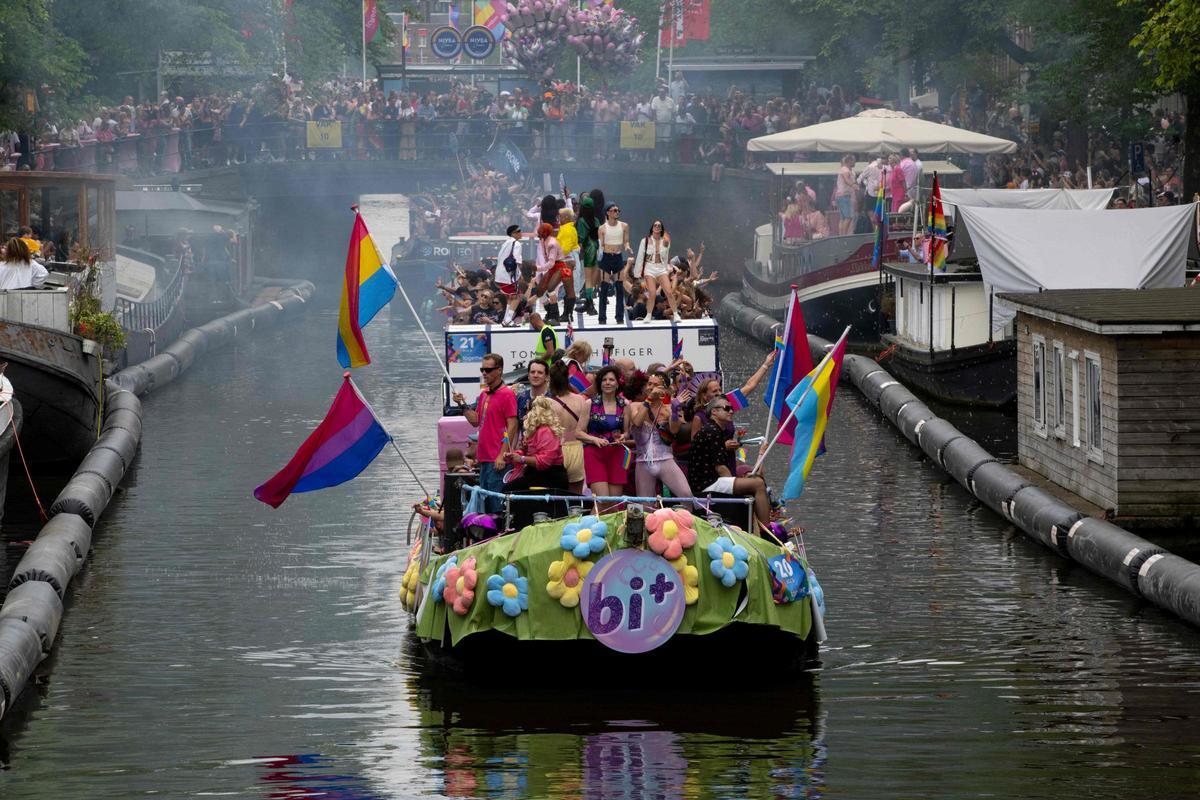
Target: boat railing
x=152, y=314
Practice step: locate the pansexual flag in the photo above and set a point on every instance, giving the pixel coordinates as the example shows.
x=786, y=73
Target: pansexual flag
x=811, y=401
x=368, y=286
x=341, y=447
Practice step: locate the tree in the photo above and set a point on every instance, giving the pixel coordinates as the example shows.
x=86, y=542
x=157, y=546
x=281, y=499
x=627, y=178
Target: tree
x=33, y=54
x=1169, y=42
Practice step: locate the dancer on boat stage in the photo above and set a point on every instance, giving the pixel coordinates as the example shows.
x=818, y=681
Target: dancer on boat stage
x=495, y=414
x=539, y=462
x=550, y=254
x=655, y=422
x=604, y=450
x=653, y=264
x=614, y=241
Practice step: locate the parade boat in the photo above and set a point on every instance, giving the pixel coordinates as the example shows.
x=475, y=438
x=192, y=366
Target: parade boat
x=553, y=578
x=837, y=278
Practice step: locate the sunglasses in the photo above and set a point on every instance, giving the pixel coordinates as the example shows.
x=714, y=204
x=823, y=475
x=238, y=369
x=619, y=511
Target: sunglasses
x=722, y=408
x=614, y=211
x=486, y=370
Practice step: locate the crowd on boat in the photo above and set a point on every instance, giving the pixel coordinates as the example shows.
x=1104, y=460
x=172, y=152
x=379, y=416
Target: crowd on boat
x=582, y=257
x=614, y=431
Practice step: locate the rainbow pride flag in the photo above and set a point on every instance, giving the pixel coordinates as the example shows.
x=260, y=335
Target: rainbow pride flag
x=881, y=223
x=812, y=400
x=368, y=286
x=341, y=447
x=490, y=14
x=938, y=240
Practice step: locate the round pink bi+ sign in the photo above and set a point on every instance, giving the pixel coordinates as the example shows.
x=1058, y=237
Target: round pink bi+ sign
x=632, y=601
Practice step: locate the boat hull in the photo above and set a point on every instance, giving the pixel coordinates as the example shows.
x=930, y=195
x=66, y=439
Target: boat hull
x=492, y=654
x=980, y=375
x=58, y=382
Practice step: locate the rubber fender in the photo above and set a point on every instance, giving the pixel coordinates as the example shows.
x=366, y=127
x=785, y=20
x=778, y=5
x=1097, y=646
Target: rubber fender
x=116, y=398
x=1056, y=519
x=183, y=352
x=135, y=379
x=50, y=560
x=104, y=463
x=1028, y=504
x=20, y=652
x=1109, y=551
x=39, y=606
x=893, y=398
x=874, y=385
x=744, y=319
x=119, y=441
x=197, y=338
x=293, y=303
x=217, y=332
x=995, y=485
x=856, y=368
x=267, y=313
x=1173, y=583
x=961, y=457
x=162, y=368
x=86, y=495
x=763, y=328
x=934, y=435
x=241, y=323
x=123, y=419
x=912, y=419
x=72, y=529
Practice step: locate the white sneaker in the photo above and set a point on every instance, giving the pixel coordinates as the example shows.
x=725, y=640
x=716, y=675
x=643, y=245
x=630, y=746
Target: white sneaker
x=675, y=317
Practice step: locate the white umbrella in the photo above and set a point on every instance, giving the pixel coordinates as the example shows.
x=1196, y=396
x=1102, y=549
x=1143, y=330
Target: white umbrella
x=880, y=131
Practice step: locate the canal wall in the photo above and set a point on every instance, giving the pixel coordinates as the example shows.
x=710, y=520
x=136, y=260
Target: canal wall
x=1141, y=567
x=33, y=607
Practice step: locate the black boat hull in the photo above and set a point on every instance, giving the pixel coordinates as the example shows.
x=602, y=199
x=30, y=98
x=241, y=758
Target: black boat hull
x=981, y=375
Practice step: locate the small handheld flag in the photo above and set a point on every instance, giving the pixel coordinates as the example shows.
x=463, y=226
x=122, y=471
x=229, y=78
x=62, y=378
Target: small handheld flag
x=368, y=286
x=677, y=350
x=737, y=399
x=341, y=447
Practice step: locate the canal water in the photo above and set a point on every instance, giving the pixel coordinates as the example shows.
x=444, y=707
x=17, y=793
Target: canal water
x=214, y=647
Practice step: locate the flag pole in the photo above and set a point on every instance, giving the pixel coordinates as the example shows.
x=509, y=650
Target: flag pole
x=391, y=440
x=363, y=14
x=787, y=327
x=662, y=11
x=762, y=456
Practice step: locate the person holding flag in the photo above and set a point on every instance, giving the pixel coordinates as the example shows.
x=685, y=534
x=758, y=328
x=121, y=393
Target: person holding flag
x=367, y=287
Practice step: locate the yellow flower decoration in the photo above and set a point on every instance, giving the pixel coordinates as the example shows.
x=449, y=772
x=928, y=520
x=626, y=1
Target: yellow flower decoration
x=408, y=585
x=689, y=579
x=566, y=579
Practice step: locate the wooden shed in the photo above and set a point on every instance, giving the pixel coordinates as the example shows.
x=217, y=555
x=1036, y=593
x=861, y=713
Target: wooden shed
x=1108, y=397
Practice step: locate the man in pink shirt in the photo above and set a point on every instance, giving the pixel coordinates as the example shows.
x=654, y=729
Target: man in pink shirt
x=495, y=414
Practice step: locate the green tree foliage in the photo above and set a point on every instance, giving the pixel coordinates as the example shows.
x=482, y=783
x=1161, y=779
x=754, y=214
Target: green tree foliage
x=34, y=53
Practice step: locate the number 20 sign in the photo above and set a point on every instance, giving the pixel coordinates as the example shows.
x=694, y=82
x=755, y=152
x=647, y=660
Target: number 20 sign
x=632, y=601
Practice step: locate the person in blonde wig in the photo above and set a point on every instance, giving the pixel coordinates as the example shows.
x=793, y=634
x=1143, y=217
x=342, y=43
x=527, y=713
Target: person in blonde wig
x=539, y=463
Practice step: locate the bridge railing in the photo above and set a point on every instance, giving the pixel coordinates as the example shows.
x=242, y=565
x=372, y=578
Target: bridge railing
x=167, y=151
x=150, y=315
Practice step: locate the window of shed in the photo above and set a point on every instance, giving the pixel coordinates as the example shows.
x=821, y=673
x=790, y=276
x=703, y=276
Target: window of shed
x=1093, y=404
x=1039, y=385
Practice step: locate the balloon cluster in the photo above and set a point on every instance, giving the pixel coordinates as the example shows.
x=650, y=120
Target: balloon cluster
x=538, y=29
x=605, y=37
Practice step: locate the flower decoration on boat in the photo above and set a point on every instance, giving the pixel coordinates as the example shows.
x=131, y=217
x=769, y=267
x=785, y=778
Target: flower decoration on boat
x=689, y=579
x=408, y=586
x=730, y=562
x=584, y=537
x=459, y=593
x=566, y=579
x=509, y=591
x=671, y=532
x=439, y=579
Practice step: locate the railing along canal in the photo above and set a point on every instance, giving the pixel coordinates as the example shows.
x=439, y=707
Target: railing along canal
x=150, y=315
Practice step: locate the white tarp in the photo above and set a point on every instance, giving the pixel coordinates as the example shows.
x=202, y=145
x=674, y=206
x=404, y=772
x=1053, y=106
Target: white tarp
x=1024, y=250
x=1094, y=199
x=880, y=130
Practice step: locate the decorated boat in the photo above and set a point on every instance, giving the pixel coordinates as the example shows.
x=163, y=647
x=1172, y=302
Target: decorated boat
x=662, y=585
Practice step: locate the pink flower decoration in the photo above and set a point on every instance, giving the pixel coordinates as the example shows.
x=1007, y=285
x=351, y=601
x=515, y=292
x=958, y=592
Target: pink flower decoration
x=459, y=593
x=670, y=532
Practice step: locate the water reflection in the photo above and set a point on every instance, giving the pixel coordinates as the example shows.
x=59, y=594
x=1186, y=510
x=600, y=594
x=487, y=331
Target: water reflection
x=713, y=737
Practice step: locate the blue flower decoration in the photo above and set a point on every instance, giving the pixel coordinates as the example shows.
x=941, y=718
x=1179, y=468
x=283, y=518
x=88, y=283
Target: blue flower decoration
x=509, y=591
x=584, y=537
x=729, y=561
x=439, y=581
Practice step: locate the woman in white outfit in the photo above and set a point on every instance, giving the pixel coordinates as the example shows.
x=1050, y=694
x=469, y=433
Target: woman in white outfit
x=18, y=270
x=653, y=266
